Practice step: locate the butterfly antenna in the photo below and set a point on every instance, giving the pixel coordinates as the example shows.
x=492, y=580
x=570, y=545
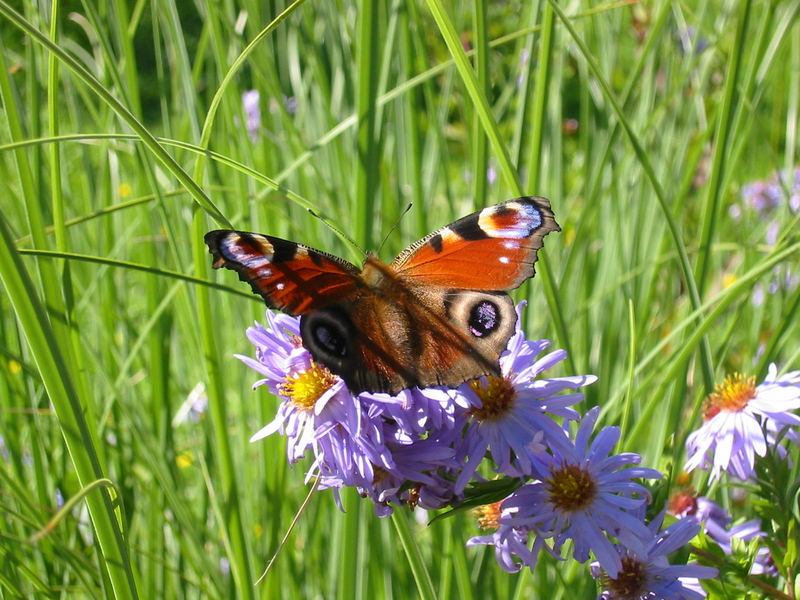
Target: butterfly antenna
x=300, y=511
x=338, y=231
x=393, y=227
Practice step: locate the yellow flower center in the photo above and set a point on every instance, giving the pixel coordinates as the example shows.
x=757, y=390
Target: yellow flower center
x=303, y=389
x=571, y=488
x=488, y=515
x=629, y=582
x=732, y=395
x=497, y=397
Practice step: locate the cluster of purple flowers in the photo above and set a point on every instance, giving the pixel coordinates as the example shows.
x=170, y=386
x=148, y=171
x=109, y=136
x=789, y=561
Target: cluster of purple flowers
x=767, y=199
x=424, y=447
x=742, y=421
x=766, y=196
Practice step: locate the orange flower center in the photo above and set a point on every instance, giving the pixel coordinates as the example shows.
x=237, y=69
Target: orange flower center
x=303, y=389
x=629, y=582
x=497, y=398
x=571, y=488
x=732, y=395
x=488, y=515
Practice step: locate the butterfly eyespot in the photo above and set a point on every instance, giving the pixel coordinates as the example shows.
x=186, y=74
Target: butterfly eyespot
x=329, y=339
x=328, y=335
x=484, y=318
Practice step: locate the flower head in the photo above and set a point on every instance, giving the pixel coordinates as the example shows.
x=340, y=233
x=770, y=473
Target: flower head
x=252, y=112
x=508, y=541
x=736, y=415
x=646, y=574
x=711, y=516
x=583, y=494
x=509, y=412
x=762, y=197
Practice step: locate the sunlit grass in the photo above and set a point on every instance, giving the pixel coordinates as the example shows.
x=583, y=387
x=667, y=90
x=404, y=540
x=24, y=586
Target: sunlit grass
x=642, y=130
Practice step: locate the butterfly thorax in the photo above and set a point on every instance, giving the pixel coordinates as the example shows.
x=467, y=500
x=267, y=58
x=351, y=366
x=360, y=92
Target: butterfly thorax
x=380, y=277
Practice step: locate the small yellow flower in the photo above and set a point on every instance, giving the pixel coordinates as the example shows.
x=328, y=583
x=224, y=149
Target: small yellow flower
x=124, y=190
x=14, y=367
x=184, y=460
x=258, y=530
x=729, y=280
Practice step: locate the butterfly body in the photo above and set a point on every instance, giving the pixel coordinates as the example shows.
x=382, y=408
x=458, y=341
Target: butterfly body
x=437, y=315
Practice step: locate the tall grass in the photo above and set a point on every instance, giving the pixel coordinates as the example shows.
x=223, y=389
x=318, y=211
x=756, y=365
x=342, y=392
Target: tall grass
x=123, y=139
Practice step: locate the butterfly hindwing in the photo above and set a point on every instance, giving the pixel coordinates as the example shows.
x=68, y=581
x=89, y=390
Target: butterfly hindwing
x=492, y=249
x=289, y=276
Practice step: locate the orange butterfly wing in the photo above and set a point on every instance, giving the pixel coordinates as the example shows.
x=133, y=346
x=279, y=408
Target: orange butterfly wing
x=492, y=249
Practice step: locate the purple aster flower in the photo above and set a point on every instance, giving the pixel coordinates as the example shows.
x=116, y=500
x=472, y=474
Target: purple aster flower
x=711, y=516
x=646, y=574
x=690, y=41
x=510, y=412
x=583, y=493
x=417, y=411
x=419, y=463
x=317, y=411
x=252, y=111
x=508, y=541
x=761, y=196
x=290, y=102
x=736, y=415
x=716, y=521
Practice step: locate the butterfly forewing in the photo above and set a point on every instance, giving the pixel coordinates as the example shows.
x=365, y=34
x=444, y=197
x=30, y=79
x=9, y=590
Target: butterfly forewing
x=492, y=249
x=289, y=276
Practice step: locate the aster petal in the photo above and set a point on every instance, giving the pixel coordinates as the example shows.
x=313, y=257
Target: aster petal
x=772, y=372
x=585, y=430
x=548, y=360
x=599, y=544
x=268, y=429
x=603, y=443
x=776, y=398
x=259, y=367
x=696, y=571
x=675, y=536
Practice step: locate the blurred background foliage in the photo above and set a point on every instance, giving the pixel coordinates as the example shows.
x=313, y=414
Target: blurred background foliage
x=708, y=95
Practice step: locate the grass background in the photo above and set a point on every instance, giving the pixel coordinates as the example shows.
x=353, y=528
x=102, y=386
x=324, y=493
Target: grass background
x=122, y=141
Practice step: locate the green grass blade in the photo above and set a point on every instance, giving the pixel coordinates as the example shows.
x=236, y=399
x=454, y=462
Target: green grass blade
x=721, y=150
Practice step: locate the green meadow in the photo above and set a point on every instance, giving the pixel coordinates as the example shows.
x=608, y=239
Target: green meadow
x=126, y=469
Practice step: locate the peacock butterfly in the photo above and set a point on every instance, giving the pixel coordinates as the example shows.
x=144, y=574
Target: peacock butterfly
x=437, y=314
